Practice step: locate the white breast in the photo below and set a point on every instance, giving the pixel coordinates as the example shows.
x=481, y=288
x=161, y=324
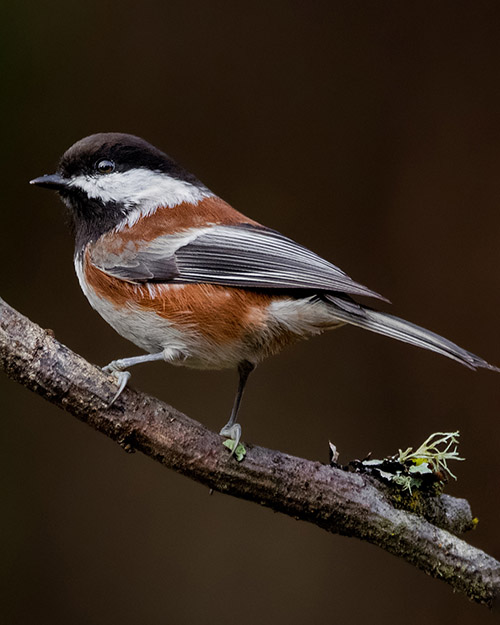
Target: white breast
x=144, y=328
x=154, y=333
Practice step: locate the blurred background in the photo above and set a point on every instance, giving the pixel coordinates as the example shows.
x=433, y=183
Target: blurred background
x=367, y=131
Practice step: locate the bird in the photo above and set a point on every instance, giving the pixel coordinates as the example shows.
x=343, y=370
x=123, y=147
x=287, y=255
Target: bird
x=190, y=280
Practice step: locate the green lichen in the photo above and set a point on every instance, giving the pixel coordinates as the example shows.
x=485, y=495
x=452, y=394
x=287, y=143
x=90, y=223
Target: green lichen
x=240, y=451
x=424, y=470
x=434, y=452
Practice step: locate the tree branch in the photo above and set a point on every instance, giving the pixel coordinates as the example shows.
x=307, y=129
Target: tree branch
x=339, y=501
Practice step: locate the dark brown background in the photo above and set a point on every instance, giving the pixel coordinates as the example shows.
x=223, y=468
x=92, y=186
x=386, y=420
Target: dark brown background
x=367, y=131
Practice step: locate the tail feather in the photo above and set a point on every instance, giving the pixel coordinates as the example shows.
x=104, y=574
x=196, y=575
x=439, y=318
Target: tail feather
x=394, y=327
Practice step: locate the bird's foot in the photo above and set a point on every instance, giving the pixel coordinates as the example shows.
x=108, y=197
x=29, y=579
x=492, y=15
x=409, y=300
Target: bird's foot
x=122, y=377
x=233, y=434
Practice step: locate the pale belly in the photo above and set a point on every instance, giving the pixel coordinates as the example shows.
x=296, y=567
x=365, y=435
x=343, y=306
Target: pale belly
x=221, y=335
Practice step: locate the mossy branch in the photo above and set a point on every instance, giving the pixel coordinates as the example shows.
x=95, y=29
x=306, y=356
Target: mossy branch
x=339, y=501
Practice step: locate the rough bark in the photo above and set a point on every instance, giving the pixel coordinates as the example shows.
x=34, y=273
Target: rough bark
x=339, y=501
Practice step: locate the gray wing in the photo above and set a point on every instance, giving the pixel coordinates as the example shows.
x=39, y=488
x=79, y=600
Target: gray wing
x=242, y=256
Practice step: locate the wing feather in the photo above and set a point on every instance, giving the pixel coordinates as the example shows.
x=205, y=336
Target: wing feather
x=244, y=256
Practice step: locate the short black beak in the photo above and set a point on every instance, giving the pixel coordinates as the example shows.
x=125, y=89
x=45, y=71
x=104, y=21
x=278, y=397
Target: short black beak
x=50, y=181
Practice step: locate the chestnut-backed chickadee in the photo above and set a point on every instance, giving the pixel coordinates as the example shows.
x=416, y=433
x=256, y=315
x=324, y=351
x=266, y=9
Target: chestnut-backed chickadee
x=183, y=275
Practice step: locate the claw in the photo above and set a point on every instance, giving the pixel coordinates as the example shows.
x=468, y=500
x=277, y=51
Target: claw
x=122, y=377
x=234, y=433
x=114, y=366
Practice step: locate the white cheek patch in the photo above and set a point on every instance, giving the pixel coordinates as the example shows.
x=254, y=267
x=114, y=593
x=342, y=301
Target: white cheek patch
x=140, y=191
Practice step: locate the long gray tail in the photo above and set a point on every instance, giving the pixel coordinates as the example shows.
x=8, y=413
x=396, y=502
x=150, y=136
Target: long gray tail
x=355, y=314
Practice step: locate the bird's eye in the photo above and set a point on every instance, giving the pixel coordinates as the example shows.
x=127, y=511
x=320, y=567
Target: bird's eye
x=105, y=166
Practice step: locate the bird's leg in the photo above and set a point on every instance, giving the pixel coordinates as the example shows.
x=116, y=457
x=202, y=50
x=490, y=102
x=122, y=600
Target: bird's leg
x=232, y=429
x=117, y=369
